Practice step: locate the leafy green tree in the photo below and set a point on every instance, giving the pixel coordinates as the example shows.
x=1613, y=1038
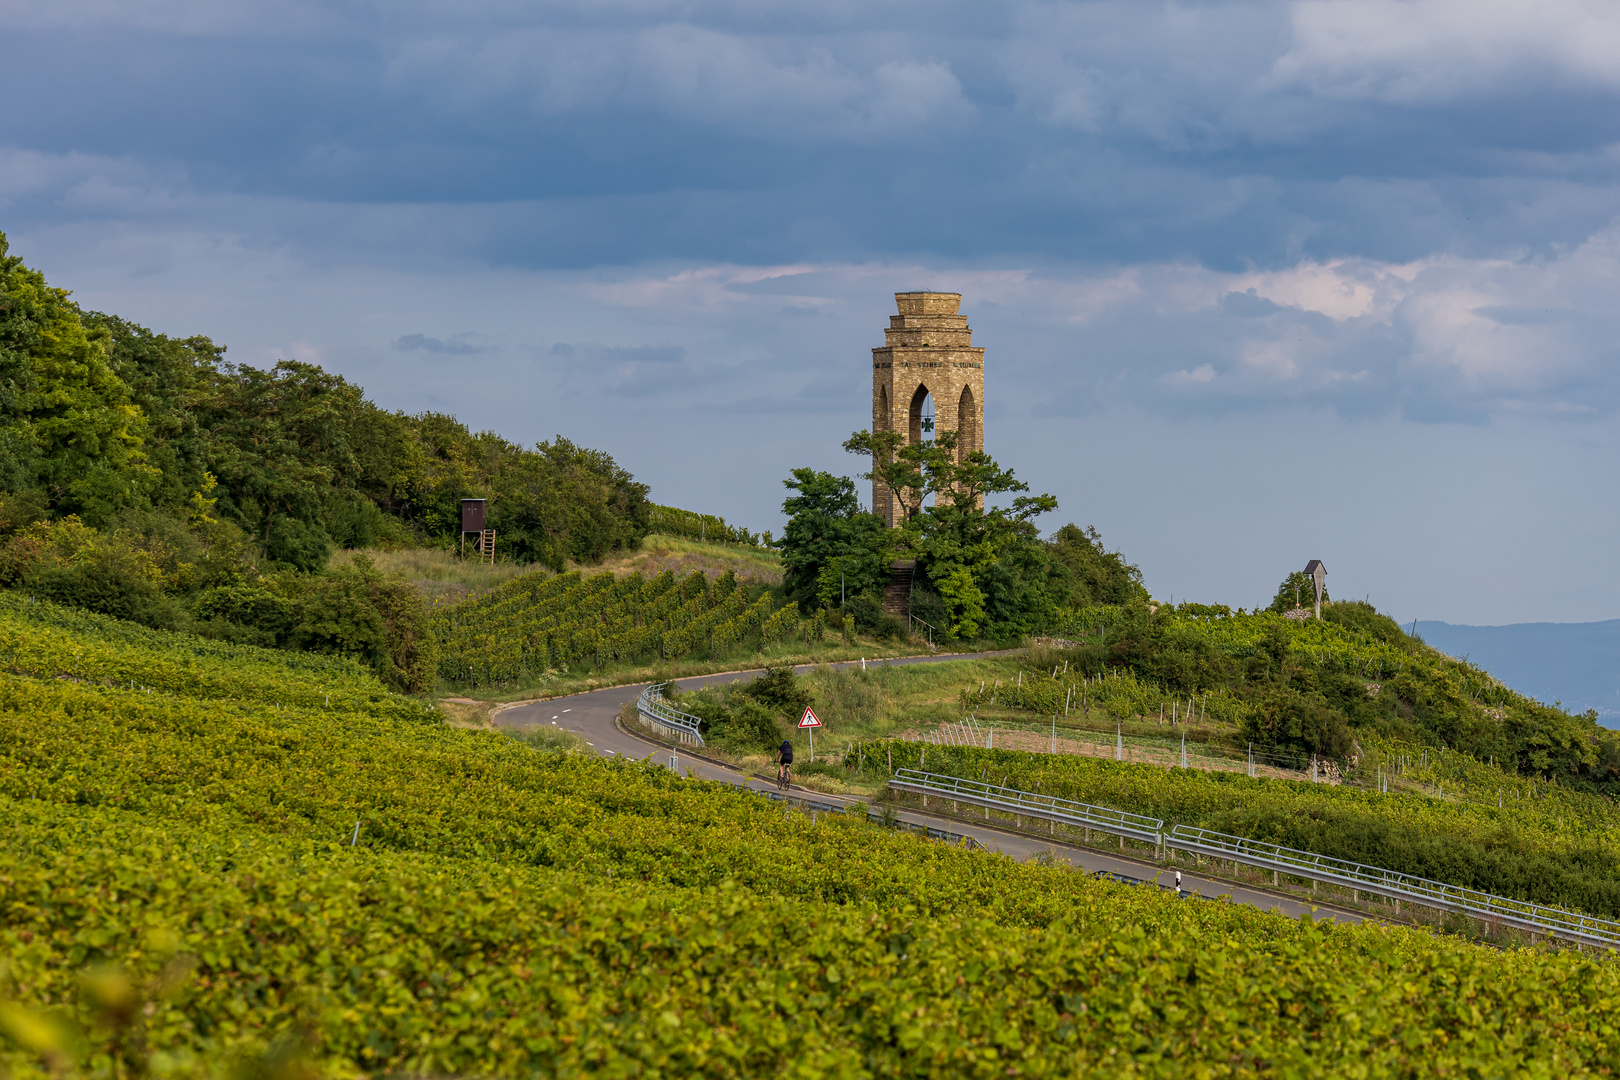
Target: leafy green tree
x=964, y=600
x=997, y=549
x=1283, y=717
x=171, y=381
x=279, y=442
x=1296, y=590
x=356, y=610
x=556, y=502
x=828, y=529
x=783, y=692
x=1084, y=572
x=563, y=501
x=67, y=425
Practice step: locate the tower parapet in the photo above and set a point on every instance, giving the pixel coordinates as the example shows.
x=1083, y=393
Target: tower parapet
x=927, y=351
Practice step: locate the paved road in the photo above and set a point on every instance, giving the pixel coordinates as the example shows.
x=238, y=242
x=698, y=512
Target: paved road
x=594, y=715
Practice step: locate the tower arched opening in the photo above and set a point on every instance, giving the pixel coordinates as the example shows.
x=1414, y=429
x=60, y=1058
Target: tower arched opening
x=967, y=424
x=922, y=416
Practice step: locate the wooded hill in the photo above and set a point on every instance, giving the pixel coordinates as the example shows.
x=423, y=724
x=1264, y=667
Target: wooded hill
x=144, y=476
x=105, y=419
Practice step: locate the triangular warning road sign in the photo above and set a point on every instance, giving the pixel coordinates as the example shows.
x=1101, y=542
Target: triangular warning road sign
x=809, y=718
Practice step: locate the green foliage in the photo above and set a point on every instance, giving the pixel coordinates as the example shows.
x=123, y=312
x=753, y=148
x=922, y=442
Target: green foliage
x=734, y=722
x=1313, y=686
x=46, y=641
x=781, y=691
x=71, y=563
x=1362, y=618
x=870, y=617
x=67, y=425
x=142, y=476
x=99, y=415
x=1297, y=590
x=672, y=521
x=963, y=600
x=357, y=611
x=282, y=443
x=830, y=545
x=1085, y=573
x=978, y=573
x=539, y=622
x=984, y=570
x=998, y=548
x=201, y=579
x=1282, y=716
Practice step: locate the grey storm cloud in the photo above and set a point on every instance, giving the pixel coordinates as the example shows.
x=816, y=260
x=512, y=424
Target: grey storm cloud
x=455, y=345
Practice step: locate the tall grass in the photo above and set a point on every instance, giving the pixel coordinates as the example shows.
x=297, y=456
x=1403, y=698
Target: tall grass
x=441, y=576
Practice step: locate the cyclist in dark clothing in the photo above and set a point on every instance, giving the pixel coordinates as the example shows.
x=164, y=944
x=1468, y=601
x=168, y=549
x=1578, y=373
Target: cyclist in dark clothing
x=784, y=764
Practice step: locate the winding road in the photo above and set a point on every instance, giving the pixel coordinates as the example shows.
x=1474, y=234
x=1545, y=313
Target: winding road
x=594, y=716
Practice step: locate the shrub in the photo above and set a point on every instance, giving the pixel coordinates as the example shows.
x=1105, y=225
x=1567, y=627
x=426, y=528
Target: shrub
x=109, y=586
x=358, y=611
x=250, y=606
x=781, y=691
x=733, y=721
x=1281, y=718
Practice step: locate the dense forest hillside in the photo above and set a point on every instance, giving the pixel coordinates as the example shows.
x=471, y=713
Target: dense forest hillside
x=107, y=420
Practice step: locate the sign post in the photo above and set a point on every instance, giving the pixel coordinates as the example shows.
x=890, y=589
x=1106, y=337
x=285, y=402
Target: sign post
x=809, y=722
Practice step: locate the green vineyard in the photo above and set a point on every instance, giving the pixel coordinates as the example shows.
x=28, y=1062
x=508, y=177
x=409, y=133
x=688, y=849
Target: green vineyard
x=538, y=623
x=226, y=861
x=1327, y=645
x=1544, y=844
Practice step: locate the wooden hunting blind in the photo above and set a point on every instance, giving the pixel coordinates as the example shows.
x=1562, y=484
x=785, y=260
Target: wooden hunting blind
x=473, y=521
x=1317, y=572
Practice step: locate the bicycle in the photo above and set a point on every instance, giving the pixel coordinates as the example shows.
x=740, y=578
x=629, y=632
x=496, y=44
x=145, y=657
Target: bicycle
x=784, y=765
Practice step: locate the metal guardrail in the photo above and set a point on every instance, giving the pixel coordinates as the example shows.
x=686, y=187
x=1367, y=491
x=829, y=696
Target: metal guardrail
x=1030, y=804
x=657, y=712
x=1522, y=914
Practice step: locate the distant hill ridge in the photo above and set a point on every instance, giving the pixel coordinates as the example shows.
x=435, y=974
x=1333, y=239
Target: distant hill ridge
x=1577, y=664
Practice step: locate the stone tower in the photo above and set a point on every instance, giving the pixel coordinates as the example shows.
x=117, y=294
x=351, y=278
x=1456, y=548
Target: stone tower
x=927, y=352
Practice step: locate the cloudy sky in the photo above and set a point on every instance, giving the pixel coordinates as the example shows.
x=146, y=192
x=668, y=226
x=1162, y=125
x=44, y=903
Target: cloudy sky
x=1260, y=282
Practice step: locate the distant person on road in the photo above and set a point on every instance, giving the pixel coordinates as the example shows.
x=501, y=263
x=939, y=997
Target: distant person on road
x=784, y=764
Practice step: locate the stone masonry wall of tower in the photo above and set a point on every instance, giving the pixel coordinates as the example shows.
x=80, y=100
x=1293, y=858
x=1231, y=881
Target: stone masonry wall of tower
x=927, y=349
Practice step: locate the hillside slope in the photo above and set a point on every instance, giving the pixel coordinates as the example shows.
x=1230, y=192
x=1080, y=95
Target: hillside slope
x=1576, y=665
x=261, y=862
x=1338, y=687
